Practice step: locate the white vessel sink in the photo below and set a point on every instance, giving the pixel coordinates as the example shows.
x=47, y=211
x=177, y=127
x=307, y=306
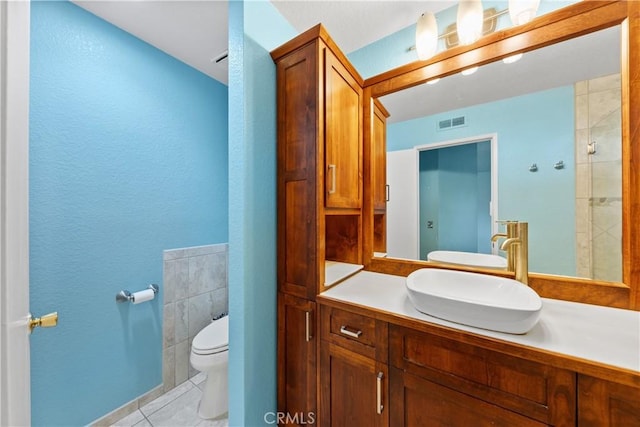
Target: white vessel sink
x=471, y=259
x=479, y=300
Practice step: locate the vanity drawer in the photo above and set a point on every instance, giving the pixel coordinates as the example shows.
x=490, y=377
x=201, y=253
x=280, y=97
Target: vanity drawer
x=356, y=332
x=541, y=392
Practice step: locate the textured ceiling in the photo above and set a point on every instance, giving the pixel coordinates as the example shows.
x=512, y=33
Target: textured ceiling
x=196, y=32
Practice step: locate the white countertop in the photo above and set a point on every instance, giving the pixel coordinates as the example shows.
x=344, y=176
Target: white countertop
x=601, y=334
x=336, y=271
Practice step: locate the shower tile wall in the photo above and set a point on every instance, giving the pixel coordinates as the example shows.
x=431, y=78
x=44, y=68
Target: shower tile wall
x=195, y=291
x=599, y=178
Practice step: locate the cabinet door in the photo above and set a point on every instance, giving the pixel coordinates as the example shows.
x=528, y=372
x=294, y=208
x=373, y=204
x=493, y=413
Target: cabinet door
x=353, y=389
x=419, y=402
x=296, y=357
x=485, y=378
x=343, y=136
x=379, y=157
x=297, y=172
x=606, y=404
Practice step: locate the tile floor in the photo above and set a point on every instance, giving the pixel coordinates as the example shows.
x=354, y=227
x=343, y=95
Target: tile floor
x=176, y=408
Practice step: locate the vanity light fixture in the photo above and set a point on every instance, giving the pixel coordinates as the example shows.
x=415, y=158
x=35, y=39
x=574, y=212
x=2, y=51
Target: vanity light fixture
x=522, y=11
x=513, y=58
x=469, y=71
x=469, y=21
x=472, y=23
x=426, y=36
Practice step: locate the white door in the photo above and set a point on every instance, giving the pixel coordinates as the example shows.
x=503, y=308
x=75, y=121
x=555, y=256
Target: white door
x=402, y=208
x=15, y=400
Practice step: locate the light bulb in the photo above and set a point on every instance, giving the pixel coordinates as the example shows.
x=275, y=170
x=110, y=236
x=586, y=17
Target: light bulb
x=433, y=81
x=522, y=11
x=469, y=71
x=470, y=21
x=426, y=36
x=513, y=58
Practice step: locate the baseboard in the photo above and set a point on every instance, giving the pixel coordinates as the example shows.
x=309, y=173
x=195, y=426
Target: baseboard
x=128, y=408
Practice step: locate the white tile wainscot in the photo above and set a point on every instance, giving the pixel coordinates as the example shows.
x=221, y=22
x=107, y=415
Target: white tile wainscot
x=195, y=291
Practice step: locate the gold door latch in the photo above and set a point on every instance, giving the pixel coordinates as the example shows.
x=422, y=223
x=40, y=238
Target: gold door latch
x=47, y=321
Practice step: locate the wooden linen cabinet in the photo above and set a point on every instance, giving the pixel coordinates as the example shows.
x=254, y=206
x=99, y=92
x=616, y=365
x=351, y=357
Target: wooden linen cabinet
x=320, y=192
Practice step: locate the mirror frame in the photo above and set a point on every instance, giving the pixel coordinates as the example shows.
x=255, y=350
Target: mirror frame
x=569, y=22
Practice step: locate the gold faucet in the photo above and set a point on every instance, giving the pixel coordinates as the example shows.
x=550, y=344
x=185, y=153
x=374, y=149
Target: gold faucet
x=517, y=248
x=510, y=234
x=497, y=236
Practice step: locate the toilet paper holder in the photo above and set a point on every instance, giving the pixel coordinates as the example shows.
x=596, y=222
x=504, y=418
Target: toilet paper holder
x=126, y=296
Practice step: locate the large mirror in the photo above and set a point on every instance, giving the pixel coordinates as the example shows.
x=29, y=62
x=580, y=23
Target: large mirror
x=546, y=169
x=536, y=140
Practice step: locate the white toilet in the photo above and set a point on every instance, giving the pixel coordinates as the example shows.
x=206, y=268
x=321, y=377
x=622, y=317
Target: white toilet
x=210, y=354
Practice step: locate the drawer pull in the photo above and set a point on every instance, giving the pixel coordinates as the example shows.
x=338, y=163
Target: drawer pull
x=332, y=170
x=307, y=325
x=379, y=406
x=354, y=334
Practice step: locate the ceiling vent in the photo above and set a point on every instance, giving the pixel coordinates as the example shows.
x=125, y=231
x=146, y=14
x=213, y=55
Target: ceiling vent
x=222, y=57
x=455, y=122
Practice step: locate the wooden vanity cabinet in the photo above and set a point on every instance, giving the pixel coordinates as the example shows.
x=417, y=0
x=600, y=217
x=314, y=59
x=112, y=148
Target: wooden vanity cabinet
x=430, y=380
x=606, y=404
x=353, y=370
x=320, y=194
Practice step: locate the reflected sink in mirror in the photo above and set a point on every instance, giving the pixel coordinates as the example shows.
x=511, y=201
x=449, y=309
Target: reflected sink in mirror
x=470, y=259
x=473, y=299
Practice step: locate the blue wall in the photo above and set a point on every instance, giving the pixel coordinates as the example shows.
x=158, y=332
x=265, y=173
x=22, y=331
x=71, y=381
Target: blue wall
x=255, y=28
x=537, y=128
x=128, y=158
x=455, y=191
x=429, y=200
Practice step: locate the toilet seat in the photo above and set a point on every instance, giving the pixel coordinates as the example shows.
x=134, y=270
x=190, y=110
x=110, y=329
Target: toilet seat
x=211, y=351
x=214, y=338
